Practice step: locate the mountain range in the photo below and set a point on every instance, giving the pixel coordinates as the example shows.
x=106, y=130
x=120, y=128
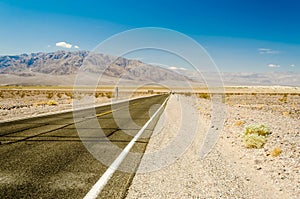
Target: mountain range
x=62, y=67
x=51, y=68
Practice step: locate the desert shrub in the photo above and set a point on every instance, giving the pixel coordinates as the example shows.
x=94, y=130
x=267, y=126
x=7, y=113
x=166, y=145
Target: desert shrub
x=22, y=95
x=59, y=95
x=255, y=136
x=276, y=151
x=99, y=94
x=150, y=91
x=16, y=93
x=69, y=94
x=254, y=140
x=257, y=129
x=204, y=95
x=284, y=98
x=49, y=95
x=1, y=94
x=109, y=94
x=52, y=103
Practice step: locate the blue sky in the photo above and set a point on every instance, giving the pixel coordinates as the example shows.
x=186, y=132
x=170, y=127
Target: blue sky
x=240, y=35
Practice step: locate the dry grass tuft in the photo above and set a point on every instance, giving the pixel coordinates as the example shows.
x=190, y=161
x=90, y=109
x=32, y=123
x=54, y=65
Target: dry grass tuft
x=239, y=123
x=50, y=95
x=109, y=94
x=40, y=103
x=52, y=103
x=99, y=94
x=59, y=95
x=204, y=95
x=70, y=95
x=284, y=98
x=285, y=113
x=276, y=152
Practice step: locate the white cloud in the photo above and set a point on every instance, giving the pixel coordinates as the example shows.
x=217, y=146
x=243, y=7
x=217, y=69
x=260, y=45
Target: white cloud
x=63, y=44
x=173, y=68
x=76, y=46
x=176, y=68
x=267, y=51
x=273, y=65
x=292, y=65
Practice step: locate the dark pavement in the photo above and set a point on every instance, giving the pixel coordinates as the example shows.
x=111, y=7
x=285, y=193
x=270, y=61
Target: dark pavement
x=44, y=157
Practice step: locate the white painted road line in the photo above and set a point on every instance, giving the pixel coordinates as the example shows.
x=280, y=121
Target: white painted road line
x=97, y=188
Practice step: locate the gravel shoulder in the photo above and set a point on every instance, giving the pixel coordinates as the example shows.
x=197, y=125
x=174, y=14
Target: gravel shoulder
x=231, y=170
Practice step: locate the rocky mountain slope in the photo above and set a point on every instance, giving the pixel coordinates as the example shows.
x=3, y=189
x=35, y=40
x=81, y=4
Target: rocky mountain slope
x=56, y=63
x=62, y=63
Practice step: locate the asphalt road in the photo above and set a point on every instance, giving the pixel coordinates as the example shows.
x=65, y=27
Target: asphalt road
x=45, y=158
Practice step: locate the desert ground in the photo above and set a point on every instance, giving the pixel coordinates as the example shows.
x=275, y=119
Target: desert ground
x=27, y=101
x=231, y=169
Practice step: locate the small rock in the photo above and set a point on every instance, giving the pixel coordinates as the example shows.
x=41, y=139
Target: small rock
x=257, y=161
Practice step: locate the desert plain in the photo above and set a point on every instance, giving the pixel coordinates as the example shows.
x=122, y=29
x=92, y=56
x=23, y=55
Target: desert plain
x=231, y=169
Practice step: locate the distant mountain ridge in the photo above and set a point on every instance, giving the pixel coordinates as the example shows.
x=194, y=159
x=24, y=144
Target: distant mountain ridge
x=55, y=63
x=68, y=63
x=61, y=68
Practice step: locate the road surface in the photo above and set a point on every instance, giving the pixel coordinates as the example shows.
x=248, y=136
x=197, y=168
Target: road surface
x=44, y=157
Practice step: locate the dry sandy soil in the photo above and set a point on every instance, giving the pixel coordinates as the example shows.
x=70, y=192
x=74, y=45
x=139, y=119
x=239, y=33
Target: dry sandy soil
x=22, y=103
x=19, y=103
x=230, y=170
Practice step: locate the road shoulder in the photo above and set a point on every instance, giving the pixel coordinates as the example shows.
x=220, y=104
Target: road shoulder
x=224, y=173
